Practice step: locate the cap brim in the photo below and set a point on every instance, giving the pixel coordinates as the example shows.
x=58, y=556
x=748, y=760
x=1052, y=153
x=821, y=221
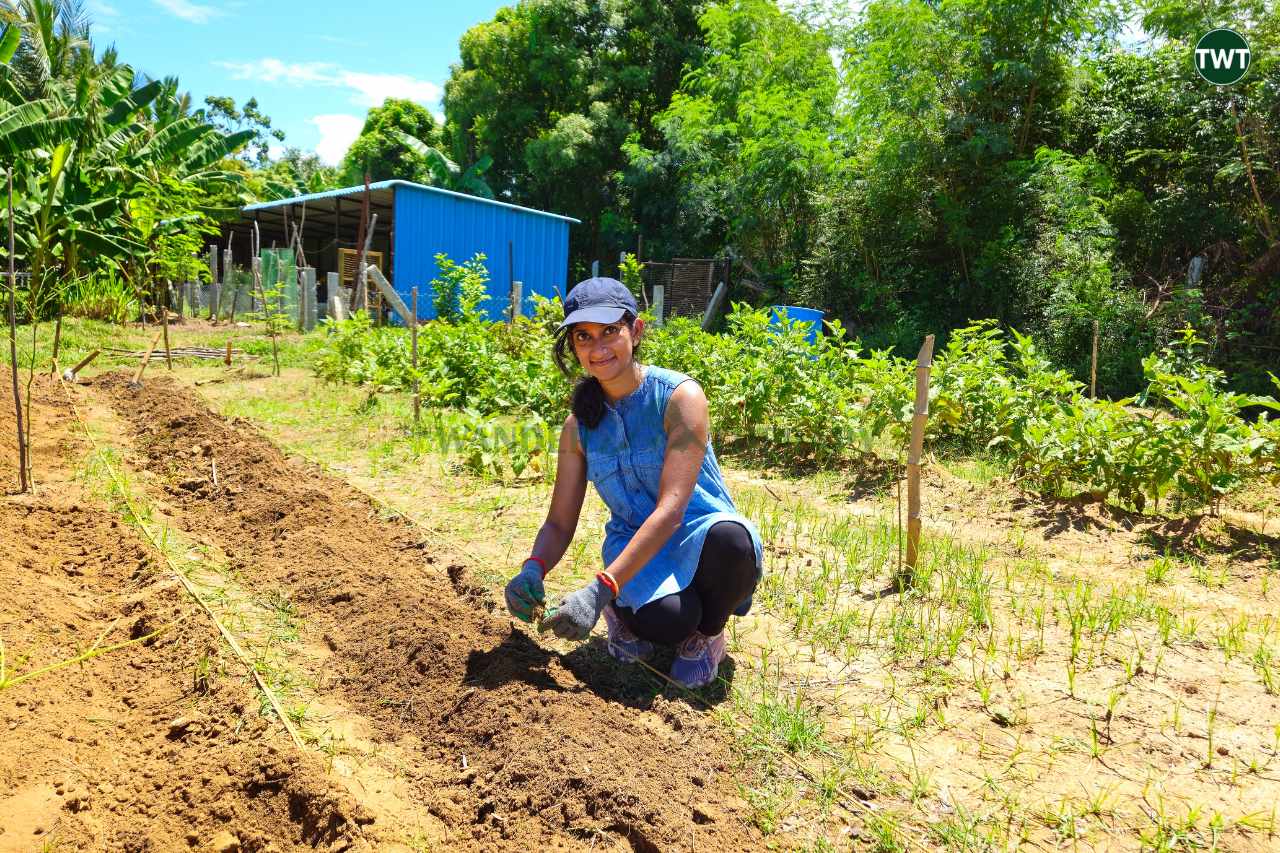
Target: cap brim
x=600, y=314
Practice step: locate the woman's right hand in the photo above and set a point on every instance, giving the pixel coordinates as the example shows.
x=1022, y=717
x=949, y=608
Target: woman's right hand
x=524, y=591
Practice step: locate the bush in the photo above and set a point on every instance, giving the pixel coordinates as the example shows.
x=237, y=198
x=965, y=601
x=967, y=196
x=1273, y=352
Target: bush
x=826, y=401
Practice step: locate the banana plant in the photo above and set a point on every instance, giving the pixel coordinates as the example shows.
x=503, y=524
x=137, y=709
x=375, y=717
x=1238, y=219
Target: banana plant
x=447, y=174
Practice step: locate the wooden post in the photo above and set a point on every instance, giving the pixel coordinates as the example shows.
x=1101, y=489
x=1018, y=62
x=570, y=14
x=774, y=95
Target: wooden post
x=393, y=299
x=137, y=377
x=714, y=306
x=308, y=300
x=213, y=281
x=517, y=299
x=332, y=284
x=924, y=361
x=24, y=484
x=361, y=297
x=1093, y=364
x=413, y=338
x=57, y=339
x=228, y=281
x=164, y=315
x=659, y=296
x=226, y=359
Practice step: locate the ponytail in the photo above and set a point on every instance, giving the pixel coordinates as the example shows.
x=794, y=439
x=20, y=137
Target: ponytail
x=588, y=400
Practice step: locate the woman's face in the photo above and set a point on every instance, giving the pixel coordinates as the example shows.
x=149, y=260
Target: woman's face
x=604, y=349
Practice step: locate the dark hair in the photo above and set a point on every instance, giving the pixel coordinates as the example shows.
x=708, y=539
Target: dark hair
x=588, y=396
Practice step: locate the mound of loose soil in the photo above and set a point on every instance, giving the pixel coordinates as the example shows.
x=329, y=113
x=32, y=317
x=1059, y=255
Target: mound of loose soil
x=520, y=747
x=130, y=750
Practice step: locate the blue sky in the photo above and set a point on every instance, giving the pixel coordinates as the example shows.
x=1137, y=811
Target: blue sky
x=315, y=67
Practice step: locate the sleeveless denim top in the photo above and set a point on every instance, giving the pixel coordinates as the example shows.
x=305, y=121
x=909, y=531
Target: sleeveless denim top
x=624, y=461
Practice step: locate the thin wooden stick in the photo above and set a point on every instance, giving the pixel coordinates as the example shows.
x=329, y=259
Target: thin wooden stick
x=13, y=350
x=57, y=340
x=361, y=298
x=1093, y=365
x=413, y=337
x=164, y=313
x=137, y=377
x=924, y=361
x=227, y=358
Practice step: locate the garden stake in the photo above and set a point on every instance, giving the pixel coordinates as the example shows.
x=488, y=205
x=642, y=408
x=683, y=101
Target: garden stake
x=924, y=361
x=57, y=339
x=413, y=337
x=227, y=358
x=137, y=377
x=70, y=373
x=13, y=349
x=1093, y=365
x=164, y=314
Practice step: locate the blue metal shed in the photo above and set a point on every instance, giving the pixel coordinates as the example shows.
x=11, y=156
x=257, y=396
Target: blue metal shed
x=415, y=222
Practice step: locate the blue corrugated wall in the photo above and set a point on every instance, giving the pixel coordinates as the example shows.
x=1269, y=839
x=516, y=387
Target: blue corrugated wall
x=427, y=222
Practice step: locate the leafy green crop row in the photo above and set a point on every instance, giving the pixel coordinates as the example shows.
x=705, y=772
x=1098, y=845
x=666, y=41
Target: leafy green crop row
x=1185, y=436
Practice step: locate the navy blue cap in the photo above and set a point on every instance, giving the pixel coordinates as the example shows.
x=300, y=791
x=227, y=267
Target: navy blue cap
x=598, y=300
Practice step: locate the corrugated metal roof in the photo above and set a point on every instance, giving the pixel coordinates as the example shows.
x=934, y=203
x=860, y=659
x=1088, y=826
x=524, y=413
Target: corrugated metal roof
x=385, y=185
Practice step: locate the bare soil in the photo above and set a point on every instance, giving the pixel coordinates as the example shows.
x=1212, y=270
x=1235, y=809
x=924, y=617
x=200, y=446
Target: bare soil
x=125, y=751
x=499, y=743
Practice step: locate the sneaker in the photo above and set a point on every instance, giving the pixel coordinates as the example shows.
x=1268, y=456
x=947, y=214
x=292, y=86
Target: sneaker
x=697, y=660
x=624, y=645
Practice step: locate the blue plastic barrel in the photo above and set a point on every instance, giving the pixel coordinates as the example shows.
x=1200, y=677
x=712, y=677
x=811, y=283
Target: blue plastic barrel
x=810, y=317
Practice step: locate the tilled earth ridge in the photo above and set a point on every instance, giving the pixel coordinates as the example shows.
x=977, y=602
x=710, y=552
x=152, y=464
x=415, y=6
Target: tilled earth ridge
x=518, y=747
x=130, y=751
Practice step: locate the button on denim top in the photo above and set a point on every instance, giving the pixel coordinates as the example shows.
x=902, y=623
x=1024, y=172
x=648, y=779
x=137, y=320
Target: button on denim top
x=624, y=462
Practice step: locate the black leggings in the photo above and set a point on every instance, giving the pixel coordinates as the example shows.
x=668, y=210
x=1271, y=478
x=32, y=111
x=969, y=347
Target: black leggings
x=726, y=575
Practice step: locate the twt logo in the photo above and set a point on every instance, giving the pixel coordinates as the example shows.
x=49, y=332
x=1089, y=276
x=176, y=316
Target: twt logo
x=1222, y=57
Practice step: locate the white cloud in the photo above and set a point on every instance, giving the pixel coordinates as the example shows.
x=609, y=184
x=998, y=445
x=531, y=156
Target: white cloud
x=367, y=89
x=375, y=88
x=337, y=132
x=186, y=10
x=274, y=71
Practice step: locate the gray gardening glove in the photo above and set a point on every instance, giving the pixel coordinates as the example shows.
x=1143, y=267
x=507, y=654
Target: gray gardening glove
x=579, y=611
x=524, y=592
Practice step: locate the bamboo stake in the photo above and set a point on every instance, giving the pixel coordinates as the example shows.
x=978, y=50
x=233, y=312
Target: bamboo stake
x=413, y=337
x=57, y=340
x=13, y=349
x=1093, y=364
x=227, y=358
x=924, y=361
x=137, y=377
x=164, y=313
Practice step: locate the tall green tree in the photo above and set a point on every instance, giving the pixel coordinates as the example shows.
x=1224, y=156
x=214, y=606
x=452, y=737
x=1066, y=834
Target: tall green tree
x=552, y=90
x=748, y=135
x=380, y=150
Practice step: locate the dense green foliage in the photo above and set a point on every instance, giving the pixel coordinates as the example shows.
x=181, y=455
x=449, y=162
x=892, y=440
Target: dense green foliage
x=1184, y=438
x=114, y=178
x=909, y=166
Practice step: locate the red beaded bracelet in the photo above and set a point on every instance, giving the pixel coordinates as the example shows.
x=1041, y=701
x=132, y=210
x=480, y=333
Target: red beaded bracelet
x=540, y=563
x=608, y=581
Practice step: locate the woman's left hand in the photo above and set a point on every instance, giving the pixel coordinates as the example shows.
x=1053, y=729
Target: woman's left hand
x=578, y=612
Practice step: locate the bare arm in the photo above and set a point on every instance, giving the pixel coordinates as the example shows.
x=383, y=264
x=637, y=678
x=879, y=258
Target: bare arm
x=566, y=498
x=686, y=423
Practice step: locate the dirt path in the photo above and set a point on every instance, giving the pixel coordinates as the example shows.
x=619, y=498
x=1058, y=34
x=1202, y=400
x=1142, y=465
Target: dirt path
x=131, y=750
x=502, y=741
